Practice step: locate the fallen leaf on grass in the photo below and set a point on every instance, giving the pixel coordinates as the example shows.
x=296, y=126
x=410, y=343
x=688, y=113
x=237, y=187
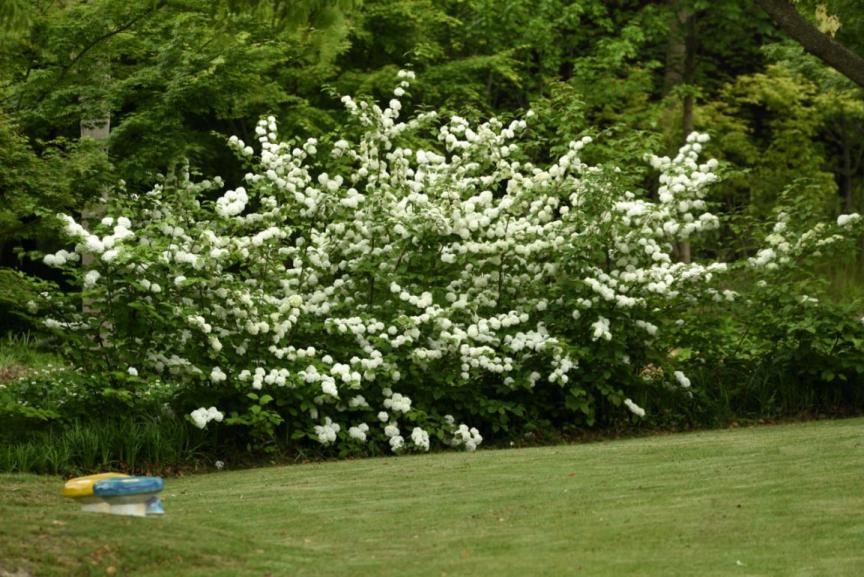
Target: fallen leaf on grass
x=99, y=553
x=19, y=573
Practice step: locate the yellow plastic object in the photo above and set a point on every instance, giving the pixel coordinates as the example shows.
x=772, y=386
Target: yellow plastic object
x=83, y=486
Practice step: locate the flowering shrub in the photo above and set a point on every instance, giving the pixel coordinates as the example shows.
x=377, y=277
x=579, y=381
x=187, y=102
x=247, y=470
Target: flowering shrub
x=368, y=289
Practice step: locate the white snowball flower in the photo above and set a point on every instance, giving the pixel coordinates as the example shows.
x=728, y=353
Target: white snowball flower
x=396, y=443
x=214, y=415
x=110, y=254
x=420, y=438
x=682, y=379
x=329, y=388
x=327, y=431
x=357, y=402
x=199, y=417
x=634, y=408
x=358, y=433
x=601, y=329
x=202, y=416
x=94, y=244
x=91, y=278
x=464, y=436
x=232, y=202
x=846, y=219
x=398, y=403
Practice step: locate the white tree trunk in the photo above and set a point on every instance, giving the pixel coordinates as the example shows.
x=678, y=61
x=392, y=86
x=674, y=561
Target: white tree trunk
x=96, y=124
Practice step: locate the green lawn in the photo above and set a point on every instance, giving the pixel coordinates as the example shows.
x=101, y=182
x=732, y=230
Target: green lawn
x=785, y=501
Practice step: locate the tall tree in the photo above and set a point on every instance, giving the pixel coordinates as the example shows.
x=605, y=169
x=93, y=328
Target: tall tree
x=679, y=74
x=820, y=44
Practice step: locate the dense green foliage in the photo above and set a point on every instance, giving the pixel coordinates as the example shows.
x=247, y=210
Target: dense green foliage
x=174, y=75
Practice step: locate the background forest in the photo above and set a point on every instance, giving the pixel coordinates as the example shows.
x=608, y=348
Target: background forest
x=97, y=92
x=162, y=81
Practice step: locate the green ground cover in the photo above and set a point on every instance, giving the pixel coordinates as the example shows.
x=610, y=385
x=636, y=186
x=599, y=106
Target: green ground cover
x=21, y=354
x=784, y=500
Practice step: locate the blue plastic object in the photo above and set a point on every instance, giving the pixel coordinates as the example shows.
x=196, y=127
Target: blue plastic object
x=127, y=486
x=154, y=506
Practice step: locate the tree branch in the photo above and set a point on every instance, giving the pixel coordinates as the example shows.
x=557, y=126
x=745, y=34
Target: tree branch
x=107, y=35
x=64, y=70
x=831, y=52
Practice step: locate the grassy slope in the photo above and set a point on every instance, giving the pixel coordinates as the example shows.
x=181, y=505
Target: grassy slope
x=785, y=501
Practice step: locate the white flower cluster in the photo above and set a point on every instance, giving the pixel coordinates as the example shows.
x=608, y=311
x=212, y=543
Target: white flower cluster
x=217, y=375
x=786, y=245
x=634, y=408
x=327, y=432
x=359, y=432
x=847, y=219
x=392, y=432
x=420, y=438
x=91, y=278
x=202, y=416
x=398, y=403
x=601, y=329
x=108, y=247
x=683, y=184
x=469, y=438
x=278, y=377
x=682, y=379
x=60, y=258
x=232, y=202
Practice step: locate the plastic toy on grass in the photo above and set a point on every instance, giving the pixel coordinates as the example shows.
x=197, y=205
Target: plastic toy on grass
x=117, y=494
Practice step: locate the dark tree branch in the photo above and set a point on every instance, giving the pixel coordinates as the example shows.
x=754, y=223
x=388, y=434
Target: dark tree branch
x=831, y=52
x=66, y=68
x=122, y=28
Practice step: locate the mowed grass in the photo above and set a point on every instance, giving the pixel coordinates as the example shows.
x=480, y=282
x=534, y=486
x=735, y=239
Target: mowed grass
x=783, y=500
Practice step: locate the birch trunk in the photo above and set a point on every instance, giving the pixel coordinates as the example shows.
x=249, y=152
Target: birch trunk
x=96, y=124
